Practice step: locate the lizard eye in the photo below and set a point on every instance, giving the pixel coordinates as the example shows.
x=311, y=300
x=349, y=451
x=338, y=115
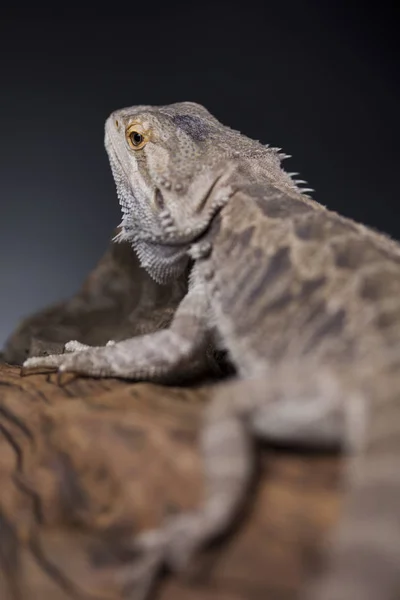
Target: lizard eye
x=136, y=138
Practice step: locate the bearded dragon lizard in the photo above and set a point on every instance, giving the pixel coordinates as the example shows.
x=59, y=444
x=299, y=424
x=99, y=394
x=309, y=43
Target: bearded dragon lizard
x=307, y=304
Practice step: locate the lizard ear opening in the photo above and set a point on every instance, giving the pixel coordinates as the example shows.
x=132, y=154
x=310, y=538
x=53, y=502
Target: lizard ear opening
x=159, y=199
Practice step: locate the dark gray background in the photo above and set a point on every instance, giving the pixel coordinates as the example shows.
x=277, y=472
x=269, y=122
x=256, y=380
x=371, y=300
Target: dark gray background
x=315, y=78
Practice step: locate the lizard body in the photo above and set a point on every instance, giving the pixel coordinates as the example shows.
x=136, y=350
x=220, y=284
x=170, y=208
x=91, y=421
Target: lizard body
x=307, y=304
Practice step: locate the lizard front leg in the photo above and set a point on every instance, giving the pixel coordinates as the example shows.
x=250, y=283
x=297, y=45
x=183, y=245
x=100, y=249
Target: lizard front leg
x=155, y=356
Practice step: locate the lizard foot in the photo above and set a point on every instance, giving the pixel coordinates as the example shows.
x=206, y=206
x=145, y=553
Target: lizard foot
x=69, y=361
x=185, y=536
x=52, y=361
x=180, y=539
x=94, y=361
x=76, y=361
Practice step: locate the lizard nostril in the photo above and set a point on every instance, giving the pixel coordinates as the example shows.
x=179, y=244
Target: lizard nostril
x=159, y=199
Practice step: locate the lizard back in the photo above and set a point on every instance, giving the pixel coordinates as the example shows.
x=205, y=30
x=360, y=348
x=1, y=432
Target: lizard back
x=291, y=278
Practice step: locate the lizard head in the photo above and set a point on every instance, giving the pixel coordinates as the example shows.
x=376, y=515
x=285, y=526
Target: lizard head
x=158, y=155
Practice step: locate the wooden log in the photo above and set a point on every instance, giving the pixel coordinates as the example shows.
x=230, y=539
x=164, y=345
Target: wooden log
x=86, y=466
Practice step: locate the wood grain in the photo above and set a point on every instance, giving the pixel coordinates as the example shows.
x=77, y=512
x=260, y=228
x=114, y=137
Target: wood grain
x=86, y=466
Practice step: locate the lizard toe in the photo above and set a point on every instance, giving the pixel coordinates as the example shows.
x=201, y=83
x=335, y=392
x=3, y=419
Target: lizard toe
x=52, y=361
x=75, y=346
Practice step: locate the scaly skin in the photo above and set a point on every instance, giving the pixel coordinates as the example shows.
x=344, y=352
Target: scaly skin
x=307, y=304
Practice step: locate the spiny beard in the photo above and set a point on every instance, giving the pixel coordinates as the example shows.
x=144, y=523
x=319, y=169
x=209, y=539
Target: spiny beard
x=163, y=263
x=127, y=232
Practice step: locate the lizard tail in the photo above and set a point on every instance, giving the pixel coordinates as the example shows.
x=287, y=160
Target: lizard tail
x=365, y=550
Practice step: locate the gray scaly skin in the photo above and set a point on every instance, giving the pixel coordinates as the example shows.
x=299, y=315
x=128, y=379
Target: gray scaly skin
x=307, y=304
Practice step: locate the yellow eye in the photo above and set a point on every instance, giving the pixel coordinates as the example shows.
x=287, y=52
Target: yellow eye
x=135, y=137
